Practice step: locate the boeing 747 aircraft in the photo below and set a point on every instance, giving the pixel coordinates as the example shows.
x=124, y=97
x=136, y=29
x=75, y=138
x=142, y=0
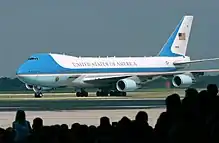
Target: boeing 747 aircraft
x=112, y=76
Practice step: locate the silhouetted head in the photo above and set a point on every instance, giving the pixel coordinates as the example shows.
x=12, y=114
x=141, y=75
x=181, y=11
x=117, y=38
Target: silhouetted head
x=173, y=103
x=191, y=92
x=190, y=104
x=92, y=130
x=75, y=126
x=141, y=116
x=104, y=121
x=20, y=116
x=37, y=123
x=212, y=89
x=92, y=127
x=64, y=126
x=203, y=93
x=2, y=131
x=124, y=121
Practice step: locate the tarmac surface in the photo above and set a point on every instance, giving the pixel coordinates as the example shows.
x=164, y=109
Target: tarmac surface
x=89, y=117
x=85, y=110
x=74, y=104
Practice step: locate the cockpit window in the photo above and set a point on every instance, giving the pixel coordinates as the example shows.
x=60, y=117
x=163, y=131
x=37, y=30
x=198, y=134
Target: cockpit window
x=32, y=58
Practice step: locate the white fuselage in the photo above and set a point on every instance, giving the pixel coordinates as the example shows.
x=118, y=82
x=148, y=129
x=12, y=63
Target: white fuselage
x=56, y=70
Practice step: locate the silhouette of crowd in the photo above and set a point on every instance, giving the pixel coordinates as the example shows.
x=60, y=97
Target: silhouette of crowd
x=195, y=118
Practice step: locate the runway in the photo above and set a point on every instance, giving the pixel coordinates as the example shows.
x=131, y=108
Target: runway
x=57, y=101
x=75, y=104
x=67, y=109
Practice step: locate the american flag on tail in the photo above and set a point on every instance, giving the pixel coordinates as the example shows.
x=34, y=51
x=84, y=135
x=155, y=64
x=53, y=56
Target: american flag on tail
x=182, y=36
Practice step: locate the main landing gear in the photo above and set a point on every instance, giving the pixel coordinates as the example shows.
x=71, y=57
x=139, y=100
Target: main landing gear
x=100, y=93
x=38, y=94
x=82, y=93
x=111, y=93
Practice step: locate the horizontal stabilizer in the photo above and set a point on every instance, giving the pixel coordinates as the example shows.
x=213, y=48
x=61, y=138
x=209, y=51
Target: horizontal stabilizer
x=194, y=61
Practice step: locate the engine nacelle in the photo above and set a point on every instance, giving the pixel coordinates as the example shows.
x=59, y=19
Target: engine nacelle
x=183, y=80
x=29, y=87
x=125, y=85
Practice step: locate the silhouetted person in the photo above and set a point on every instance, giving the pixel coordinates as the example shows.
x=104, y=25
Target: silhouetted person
x=191, y=92
x=190, y=124
x=123, y=130
x=64, y=126
x=169, y=118
x=204, y=104
x=105, y=131
x=212, y=89
x=21, y=126
x=37, y=124
x=92, y=134
x=141, y=130
x=141, y=117
x=104, y=122
x=9, y=135
x=190, y=103
x=2, y=135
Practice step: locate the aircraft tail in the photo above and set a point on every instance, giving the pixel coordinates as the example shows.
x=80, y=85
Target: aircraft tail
x=177, y=43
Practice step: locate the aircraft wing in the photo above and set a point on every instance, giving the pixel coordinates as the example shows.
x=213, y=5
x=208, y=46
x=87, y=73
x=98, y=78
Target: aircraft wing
x=101, y=79
x=194, y=61
x=177, y=72
x=107, y=78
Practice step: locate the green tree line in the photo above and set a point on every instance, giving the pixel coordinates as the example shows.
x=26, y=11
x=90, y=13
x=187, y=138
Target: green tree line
x=14, y=84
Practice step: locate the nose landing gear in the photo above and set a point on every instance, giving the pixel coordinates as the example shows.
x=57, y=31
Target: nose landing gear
x=38, y=94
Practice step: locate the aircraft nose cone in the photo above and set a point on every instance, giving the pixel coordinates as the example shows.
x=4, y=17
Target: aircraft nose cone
x=21, y=70
x=18, y=72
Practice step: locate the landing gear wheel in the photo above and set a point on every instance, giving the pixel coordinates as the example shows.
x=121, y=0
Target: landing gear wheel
x=104, y=93
x=117, y=93
x=123, y=93
x=78, y=94
x=82, y=94
x=85, y=94
x=101, y=93
x=38, y=95
x=98, y=93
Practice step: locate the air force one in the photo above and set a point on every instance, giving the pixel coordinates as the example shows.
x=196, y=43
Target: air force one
x=113, y=76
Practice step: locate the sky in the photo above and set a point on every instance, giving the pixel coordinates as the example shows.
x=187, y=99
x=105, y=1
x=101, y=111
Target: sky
x=103, y=28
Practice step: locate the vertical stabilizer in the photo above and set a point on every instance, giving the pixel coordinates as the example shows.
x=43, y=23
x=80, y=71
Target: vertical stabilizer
x=177, y=43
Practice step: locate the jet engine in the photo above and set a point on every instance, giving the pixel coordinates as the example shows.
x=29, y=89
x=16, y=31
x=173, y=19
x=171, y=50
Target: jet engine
x=125, y=85
x=183, y=80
